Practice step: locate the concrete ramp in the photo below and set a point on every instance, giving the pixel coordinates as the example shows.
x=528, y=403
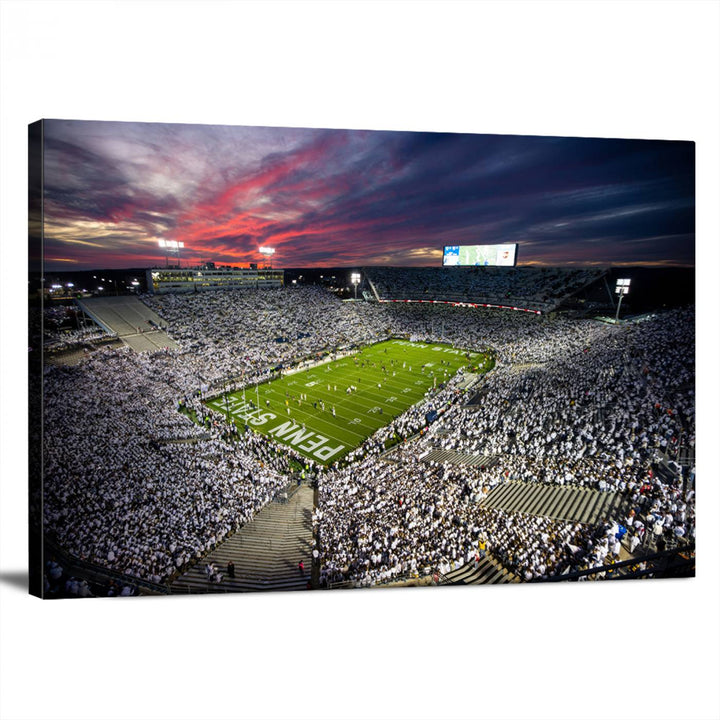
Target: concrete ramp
x=131, y=320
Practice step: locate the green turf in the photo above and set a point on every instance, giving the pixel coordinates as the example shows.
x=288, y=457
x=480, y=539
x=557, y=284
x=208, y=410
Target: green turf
x=381, y=395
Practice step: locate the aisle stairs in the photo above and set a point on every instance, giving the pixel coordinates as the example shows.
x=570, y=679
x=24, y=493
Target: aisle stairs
x=266, y=551
x=487, y=571
x=453, y=457
x=569, y=503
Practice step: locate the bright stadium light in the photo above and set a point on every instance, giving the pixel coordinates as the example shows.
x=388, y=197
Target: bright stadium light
x=622, y=288
x=173, y=245
x=267, y=252
x=355, y=280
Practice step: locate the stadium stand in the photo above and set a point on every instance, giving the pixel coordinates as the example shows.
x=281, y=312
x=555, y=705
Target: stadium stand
x=130, y=320
x=530, y=288
x=590, y=420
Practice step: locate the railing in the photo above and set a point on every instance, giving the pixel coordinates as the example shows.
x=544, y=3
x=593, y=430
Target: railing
x=283, y=496
x=679, y=562
x=436, y=578
x=96, y=573
x=341, y=585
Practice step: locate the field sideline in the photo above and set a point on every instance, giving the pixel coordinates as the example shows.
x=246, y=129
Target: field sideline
x=326, y=411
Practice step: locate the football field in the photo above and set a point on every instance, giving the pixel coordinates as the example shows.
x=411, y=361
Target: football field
x=326, y=411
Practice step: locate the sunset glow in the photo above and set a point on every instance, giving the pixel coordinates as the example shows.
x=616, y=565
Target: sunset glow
x=341, y=198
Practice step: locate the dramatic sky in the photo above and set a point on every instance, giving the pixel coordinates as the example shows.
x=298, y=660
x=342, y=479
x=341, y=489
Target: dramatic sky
x=341, y=198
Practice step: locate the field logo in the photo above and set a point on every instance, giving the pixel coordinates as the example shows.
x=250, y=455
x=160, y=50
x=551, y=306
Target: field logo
x=249, y=413
x=294, y=434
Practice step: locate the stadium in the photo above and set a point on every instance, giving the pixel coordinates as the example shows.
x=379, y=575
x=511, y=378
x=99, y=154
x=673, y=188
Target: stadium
x=401, y=426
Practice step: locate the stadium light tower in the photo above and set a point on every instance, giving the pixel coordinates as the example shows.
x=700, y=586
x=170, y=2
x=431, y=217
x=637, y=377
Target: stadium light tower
x=355, y=280
x=267, y=253
x=622, y=288
x=171, y=245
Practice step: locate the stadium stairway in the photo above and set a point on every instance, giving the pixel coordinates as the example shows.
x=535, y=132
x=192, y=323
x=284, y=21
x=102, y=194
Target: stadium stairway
x=487, y=572
x=266, y=551
x=469, y=380
x=565, y=502
x=460, y=458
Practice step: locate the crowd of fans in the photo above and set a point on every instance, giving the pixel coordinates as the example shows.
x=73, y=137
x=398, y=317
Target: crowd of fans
x=59, y=582
x=62, y=330
x=531, y=288
x=245, y=333
x=609, y=409
x=134, y=485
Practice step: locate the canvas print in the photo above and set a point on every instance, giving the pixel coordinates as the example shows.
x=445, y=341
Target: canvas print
x=268, y=358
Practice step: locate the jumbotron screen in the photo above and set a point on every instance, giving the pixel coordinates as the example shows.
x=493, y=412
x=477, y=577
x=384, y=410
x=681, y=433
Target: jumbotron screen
x=480, y=254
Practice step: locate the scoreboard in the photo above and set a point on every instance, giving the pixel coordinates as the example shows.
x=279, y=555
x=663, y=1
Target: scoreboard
x=503, y=255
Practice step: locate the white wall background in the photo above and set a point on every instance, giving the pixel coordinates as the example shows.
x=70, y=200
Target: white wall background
x=630, y=69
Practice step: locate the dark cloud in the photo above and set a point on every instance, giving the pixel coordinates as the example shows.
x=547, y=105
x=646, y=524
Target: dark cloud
x=344, y=197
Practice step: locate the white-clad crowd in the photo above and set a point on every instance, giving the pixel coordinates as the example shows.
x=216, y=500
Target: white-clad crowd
x=529, y=287
x=132, y=484
x=602, y=415
x=240, y=333
x=381, y=520
x=61, y=330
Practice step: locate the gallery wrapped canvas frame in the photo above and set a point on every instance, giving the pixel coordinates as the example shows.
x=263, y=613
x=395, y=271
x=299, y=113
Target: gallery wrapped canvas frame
x=267, y=359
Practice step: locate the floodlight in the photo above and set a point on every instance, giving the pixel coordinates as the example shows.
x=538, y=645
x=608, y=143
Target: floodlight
x=622, y=288
x=266, y=250
x=355, y=280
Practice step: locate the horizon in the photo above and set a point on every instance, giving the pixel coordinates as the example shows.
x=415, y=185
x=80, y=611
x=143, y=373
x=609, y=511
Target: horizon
x=128, y=268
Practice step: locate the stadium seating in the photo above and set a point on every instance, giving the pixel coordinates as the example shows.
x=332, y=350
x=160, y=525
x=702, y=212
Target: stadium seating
x=529, y=288
x=583, y=417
